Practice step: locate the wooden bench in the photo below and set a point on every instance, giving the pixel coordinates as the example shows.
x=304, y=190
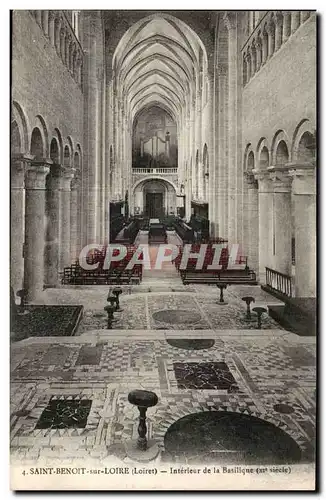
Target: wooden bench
x=223, y=278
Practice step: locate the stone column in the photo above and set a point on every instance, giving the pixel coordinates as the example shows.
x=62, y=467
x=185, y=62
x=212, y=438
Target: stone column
x=282, y=221
x=253, y=59
x=222, y=208
x=252, y=221
x=304, y=192
x=62, y=44
x=295, y=20
x=92, y=128
x=66, y=179
x=74, y=214
x=34, y=229
x=230, y=20
x=45, y=22
x=249, y=67
x=38, y=16
x=51, y=28
x=259, y=52
x=17, y=207
x=271, y=38
x=57, y=35
x=286, y=26
x=278, y=30
x=264, y=47
x=51, y=254
x=265, y=220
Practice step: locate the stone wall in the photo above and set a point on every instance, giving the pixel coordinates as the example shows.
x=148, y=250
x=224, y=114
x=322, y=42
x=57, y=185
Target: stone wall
x=283, y=92
x=42, y=85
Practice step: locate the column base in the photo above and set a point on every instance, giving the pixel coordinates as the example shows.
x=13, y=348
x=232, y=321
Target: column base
x=142, y=456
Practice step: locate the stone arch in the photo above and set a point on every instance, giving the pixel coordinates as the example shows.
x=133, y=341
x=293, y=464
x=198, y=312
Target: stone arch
x=305, y=130
x=41, y=124
x=19, y=116
x=154, y=177
x=37, y=144
x=278, y=137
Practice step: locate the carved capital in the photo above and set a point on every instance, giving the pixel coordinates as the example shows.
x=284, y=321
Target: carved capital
x=66, y=178
x=250, y=179
x=278, y=16
x=258, y=41
x=36, y=175
x=270, y=26
x=264, y=181
x=281, y=180
x=304, y=178
x=230, y=20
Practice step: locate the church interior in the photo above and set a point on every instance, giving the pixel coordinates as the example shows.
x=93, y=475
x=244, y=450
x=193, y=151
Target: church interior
x=137, y=129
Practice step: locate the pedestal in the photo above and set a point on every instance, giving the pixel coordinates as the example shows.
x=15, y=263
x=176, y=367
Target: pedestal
x=138, y=455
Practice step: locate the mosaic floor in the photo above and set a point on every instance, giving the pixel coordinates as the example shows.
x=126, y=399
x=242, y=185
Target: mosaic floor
x=182, y=311
x=69, y=395
x=228, y=393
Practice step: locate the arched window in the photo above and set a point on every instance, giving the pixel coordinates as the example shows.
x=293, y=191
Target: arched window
x=54, y=151
x=37, y=147
x=66, y=157
x=282, y=153
x=264, y=159
x=251, y=161
x=307, y=148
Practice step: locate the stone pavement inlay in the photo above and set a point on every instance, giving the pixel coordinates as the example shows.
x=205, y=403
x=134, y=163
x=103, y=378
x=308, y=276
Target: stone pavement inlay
x=204, y=376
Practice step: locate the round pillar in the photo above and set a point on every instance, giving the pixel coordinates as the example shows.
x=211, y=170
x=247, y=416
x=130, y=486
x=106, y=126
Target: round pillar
x=74, y=214
x=282, y=221
x=52, y=230
x=66, y=179
x=265, y=221
x=304, y=192
x=17, y=206
x=34, y=229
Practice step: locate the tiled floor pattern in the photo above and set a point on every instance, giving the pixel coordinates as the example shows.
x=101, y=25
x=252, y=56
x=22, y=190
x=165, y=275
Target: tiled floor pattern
x=267, y=370
x=158, y=311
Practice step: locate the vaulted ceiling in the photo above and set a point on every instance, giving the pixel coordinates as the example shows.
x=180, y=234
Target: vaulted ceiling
x=158, y=61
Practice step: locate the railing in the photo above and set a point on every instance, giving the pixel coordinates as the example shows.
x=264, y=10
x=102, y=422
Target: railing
x=56, y=27
x=279, y=282
x=156, y=170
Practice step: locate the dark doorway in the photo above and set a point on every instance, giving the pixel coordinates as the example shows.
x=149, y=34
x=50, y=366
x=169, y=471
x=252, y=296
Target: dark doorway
x=154, y=205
